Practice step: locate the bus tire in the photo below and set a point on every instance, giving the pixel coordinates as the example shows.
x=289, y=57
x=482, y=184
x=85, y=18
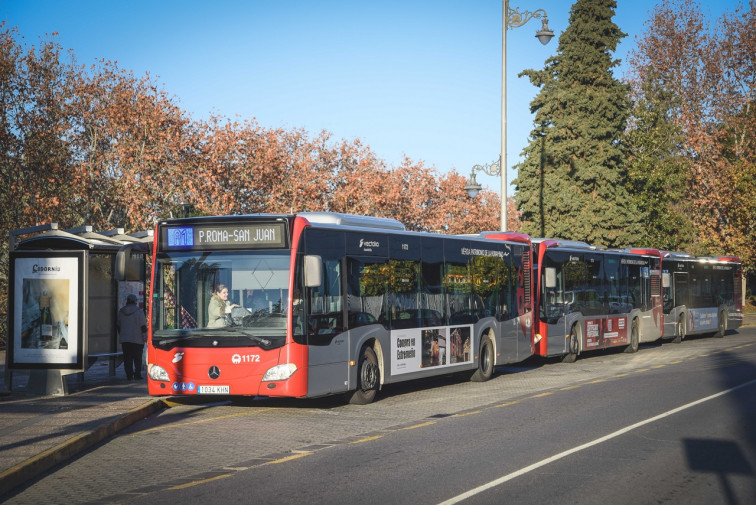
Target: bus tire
x=485, y=361
x=368, y=378
x=722, y=325
x=634, y=338
x=680, y=330
x=574, y=346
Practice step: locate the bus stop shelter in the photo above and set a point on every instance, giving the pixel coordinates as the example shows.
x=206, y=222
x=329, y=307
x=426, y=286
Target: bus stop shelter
x=64, y=298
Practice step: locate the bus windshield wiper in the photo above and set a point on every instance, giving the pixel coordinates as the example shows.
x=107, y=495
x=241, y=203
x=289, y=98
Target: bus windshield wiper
x=175, y=336
x=236, y=332
x=250, y=334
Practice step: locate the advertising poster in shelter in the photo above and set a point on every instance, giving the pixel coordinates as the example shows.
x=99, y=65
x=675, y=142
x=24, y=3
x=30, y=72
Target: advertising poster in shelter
x=46, y=309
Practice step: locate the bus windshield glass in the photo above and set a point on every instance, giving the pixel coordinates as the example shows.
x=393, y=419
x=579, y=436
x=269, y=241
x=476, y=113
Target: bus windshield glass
x=221, y=299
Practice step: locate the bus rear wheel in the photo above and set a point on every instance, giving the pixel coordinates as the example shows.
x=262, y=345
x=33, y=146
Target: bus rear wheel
x=368, y=378
x=680, y=330
x=722, y=325
x=634, y=338
x=485, y=361
x=574, y=346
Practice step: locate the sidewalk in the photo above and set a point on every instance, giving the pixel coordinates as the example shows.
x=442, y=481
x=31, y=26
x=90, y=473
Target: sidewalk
x=39, y=432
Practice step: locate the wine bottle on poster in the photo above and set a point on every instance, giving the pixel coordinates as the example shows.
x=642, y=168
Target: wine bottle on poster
x=45, y=318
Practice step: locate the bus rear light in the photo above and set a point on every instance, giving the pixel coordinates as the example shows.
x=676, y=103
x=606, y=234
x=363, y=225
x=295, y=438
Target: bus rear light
x=280, y=372
x=538, y=338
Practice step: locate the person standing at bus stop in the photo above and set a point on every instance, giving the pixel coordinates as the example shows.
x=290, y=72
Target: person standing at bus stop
x=132, y=329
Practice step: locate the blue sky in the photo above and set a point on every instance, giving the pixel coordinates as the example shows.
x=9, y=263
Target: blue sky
x=420, y=78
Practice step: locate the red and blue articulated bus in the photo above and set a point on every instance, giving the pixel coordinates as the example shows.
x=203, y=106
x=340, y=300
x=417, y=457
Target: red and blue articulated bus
x=590, y=298
x=318, y=303
x=325, y=303
x=701, y=295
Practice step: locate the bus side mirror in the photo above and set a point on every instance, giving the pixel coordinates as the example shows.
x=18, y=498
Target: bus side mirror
x=569, y=297
x=123, y=263
x=551, y=278
x=313, y=271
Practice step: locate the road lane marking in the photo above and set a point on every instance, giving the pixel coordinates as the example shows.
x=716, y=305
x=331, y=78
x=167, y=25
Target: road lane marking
x=463, y=414
x=202, y=481
x=366, y=439
x=561, y=455
x=421, y=425
x=513, y=402
x=288, y=458
x=541, y=395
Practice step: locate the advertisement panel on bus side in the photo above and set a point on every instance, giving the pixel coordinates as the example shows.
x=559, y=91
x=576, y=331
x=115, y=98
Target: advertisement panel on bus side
x=702, y=320
x=416, y=349
x=606, y=332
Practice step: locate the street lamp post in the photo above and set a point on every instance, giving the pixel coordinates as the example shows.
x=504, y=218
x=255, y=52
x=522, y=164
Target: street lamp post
x=511, y=18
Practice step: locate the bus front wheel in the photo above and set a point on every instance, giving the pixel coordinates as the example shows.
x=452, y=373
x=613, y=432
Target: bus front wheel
x=485, y=361
x=368, y=378
x=574, y=346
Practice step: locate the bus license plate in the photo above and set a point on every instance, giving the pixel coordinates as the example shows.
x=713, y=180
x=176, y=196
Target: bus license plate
x=213, y=390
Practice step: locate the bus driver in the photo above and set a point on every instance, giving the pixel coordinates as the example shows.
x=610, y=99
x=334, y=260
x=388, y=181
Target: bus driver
x=219, y=307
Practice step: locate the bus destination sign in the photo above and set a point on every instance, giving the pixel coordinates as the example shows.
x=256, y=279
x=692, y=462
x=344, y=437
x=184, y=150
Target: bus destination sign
x=225, y=236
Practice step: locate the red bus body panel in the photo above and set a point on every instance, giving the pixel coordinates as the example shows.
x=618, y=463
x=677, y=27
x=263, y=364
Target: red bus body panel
x=241, y=370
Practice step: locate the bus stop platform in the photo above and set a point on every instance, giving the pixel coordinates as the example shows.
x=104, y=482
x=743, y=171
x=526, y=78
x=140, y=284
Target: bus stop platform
x=38, y=433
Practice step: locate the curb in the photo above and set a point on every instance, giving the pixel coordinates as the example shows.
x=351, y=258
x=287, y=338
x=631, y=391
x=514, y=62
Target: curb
x=37, y=465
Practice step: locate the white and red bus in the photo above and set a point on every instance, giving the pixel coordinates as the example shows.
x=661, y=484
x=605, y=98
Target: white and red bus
x=589, y=298
x=325, y=303
x=702, y=295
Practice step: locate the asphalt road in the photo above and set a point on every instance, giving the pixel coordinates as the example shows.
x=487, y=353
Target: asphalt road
x=670, y=424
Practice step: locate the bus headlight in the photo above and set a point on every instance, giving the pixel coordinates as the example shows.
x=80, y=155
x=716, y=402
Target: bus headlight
x=157, y=373
x=280, y=372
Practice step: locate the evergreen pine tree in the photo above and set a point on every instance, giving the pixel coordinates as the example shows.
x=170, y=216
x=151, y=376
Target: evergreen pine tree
x=658, y=174
x=572, y=183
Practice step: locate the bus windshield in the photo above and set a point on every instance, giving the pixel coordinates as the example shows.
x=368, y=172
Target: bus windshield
x=221, y=299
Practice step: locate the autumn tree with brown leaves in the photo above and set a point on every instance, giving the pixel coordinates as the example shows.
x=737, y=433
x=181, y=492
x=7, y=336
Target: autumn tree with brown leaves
x=131, y=144
x=99, y=146
x=701, y=82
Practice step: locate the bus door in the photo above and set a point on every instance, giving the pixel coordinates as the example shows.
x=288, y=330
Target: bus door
x=670, y=321
x=655, y=328
x=554, y=308
x=516, y=324
x=650, y=301
x=680, y=289
x=327, y=342
x=679, y=299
